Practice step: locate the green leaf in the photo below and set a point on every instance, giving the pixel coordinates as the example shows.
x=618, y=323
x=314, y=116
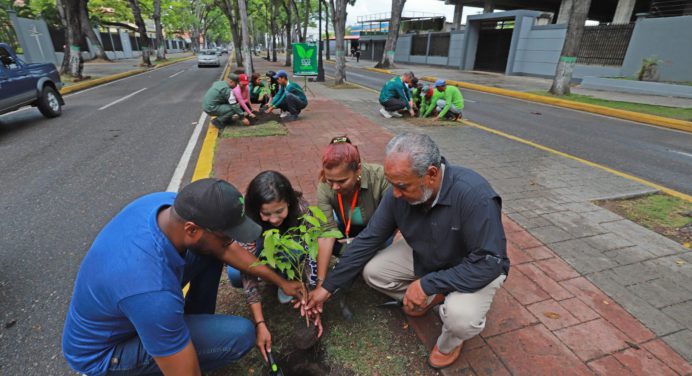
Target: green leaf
x=290, y=274
x=293, y=245
x=313, y=221
x=317, y=212
x=332, y=234
x=309, y=52
x=313, y=251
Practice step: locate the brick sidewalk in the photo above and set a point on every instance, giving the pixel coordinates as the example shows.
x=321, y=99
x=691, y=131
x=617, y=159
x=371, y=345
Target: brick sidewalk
x=547, y=319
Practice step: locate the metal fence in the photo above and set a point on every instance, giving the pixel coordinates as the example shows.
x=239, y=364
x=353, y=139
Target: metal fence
x=419, y=45
x=57, y=36
x=439, y=44
x=670, y=8
x=604, y=44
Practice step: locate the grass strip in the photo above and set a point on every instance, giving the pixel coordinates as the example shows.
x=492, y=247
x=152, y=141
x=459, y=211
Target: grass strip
x=270, y=128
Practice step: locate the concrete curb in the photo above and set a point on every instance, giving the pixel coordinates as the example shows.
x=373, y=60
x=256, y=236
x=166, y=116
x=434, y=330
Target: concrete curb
x=114, y=77
x=660, y=121
x=380, y=70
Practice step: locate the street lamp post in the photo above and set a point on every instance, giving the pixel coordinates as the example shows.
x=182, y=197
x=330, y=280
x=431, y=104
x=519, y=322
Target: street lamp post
x=320, y=64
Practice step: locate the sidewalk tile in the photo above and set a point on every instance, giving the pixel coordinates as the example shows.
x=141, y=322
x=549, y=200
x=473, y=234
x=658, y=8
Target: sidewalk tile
x=608, y=309
x=609, y=366
x=552, y=314
x=535, y=351
x=668, y=356
x=579, y=310
x=523, y=289
x=510, y=226
x=557, y=269
x=593, y=339
x=427, y=328
x=484, y=362
x=506, y=314
x=523, y=239
x=516, y=255
x=539, y=253
x=642, y=362
x=549, y=285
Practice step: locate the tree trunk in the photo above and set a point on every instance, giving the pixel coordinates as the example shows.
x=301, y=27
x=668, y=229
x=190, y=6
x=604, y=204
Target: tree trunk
x=160, y=42
x=235, y=33
x=306, y=19
x=327, y=7
x=74, y=38
x=96, y=44
x=339, y=12
x=65, y=64
x=142, y=29
x=301, y=37
x=389, y=46
x=287, y=8
x=579, y=10
x=242, y=9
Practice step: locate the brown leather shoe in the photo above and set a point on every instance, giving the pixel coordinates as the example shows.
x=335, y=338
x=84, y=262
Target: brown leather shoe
x=438, y=359
x=418, y=312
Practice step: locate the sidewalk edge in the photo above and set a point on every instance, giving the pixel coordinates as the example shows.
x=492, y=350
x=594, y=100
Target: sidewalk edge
x=660, y=121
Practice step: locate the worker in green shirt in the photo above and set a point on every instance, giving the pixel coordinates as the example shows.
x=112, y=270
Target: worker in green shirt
x=290, y=98
x=452, y=102
x=219, y=101
x=396, y=96
x=432, y=97
x=425, y=100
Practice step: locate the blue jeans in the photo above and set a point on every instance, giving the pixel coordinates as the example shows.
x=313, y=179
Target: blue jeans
x=218, y=339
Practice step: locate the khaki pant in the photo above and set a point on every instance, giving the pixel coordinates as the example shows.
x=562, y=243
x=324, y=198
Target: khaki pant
x=463, y=315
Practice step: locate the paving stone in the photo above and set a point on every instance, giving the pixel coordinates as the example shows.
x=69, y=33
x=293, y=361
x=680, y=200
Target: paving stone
x=668, y=356
x=579, y=310
x=629, y=255
x=609, y=366
x=539, y=205
x=645, y=312
x=642, y=362
x=584, y=258
x=541, y=279
x=506, y=314
x=509, y=225
x=557, y=269
x=523, y=239
x=681, y=312
x=550, y=234
x=593, y=339
x=516, y=255
x=634, y=273
x=539, y=253
x=677, y=267
x=552, y=314
x=483, y=361
x=523, y=289
x=581, y=207
x=601, y=216
x=651, y=241
x=574, y=224
x=541, y=353
x=661, y=292
x=608, y=309
x=607, y=242
x=681, y=342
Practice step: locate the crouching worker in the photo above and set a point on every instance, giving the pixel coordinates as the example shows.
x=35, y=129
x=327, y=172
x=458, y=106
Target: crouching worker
x=220, y=101
x=395, y=96
x=259, y=93
x=290, y=98
x=128, y=314
x=450, y=104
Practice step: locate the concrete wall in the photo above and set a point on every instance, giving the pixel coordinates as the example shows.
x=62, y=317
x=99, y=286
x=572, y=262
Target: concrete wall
x=669, y=39
x=456, y=42
x=403, y=49
x=538, y=50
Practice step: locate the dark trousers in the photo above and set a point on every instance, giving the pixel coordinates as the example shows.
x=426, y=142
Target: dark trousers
x=292, y=104
x=394, y=104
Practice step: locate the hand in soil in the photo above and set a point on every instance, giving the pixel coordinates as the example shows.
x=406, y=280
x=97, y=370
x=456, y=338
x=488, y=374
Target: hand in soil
x=294, y=289
x=264, y=340
x=415, y=296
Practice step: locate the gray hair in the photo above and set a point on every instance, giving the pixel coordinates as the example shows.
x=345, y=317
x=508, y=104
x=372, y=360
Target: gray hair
x=420, y=148
x=409, y=74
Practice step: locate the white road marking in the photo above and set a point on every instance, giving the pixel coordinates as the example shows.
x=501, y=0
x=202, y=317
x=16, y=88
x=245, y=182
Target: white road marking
x=122, y=99
x=175, y=74
x=180, y=169
x=680, y=152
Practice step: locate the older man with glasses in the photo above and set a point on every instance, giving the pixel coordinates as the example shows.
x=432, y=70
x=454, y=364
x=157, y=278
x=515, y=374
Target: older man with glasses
x=128, y=314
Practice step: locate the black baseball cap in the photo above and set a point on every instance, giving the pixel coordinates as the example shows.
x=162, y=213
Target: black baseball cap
x=216, y=205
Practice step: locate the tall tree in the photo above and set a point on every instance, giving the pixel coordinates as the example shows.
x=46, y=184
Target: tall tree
x=242, y=9
x=273, y=29
x=326, y=24
x=88, y=31
x=142, y=29
x=579, y=10
x=72, y=60
x=392, y=36
x=339, y=12
x=160, y=42
x=301, y=37
x=229, y=8
x=287, y=7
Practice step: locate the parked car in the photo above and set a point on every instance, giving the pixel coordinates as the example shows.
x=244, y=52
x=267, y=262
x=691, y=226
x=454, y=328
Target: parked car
x=208, y=57
x=23, y=84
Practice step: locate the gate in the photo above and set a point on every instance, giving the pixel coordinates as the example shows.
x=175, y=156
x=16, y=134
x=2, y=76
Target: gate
x=494, y=40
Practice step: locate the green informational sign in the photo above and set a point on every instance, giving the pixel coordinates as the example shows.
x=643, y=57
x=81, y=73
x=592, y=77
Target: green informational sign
x=304, y=59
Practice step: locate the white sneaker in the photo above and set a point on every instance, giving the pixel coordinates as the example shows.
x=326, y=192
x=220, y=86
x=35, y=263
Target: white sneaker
x=284, y=114
x=385, y=113
x=396, y=114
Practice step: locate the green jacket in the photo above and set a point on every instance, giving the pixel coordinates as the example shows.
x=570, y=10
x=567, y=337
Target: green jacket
x=257, y=91
x=430, y=106
x=218, y=94
x=292, y=88
x=452, y=96
x=372, y=188
x=395, y=88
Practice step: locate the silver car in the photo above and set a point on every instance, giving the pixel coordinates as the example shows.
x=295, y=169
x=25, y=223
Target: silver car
x=208, y=57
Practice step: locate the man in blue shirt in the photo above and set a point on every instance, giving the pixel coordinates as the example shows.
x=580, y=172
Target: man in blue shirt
x=128, y=314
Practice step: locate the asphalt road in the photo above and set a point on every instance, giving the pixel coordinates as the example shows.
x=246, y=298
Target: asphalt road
x=656, y=154
x=62, y=179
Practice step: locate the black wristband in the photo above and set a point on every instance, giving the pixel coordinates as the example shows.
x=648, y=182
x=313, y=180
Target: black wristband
x=259, y=322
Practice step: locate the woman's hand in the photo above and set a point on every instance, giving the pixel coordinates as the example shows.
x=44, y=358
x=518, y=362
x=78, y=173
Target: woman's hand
x=264, y=340
x=294, y=289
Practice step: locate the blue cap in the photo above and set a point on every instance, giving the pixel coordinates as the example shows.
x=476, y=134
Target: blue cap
x=440, y=83
x=281, y=73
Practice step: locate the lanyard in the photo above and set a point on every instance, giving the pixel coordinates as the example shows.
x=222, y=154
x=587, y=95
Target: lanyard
x=350, y=214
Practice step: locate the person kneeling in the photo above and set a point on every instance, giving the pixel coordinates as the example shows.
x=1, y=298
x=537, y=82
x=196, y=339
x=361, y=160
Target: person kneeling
x=220, y=101
x=290, y=98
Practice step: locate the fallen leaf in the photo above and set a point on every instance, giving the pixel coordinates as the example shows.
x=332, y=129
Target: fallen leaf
x=606, y=302
x=551, y=315
x=405, y=326
x=687, y=245
x=679, y=262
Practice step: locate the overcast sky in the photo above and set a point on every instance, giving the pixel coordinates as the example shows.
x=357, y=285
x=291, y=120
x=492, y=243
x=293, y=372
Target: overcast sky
x=368, y=7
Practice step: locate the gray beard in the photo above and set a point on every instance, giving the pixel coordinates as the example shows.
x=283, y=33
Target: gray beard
x=427, y=193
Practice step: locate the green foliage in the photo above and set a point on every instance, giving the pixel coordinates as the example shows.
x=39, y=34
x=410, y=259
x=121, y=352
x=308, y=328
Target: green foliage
x=649, y=69
x=287, y=251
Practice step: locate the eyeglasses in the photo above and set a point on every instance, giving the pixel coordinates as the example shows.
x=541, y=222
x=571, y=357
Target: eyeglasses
x=340, y=139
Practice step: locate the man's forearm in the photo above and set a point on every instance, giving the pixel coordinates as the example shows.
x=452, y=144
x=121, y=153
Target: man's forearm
x=242, y=260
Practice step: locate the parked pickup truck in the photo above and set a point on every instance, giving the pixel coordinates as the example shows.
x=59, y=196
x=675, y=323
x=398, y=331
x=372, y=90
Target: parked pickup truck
x=23, y=84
